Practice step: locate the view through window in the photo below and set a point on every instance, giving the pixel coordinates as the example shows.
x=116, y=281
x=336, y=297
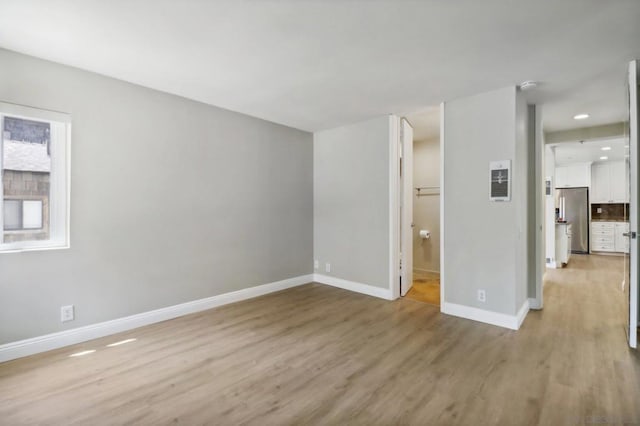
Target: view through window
x=34, y=181
x=26, y=161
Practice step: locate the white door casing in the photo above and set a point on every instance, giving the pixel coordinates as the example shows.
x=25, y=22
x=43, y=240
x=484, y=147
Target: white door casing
x=632, y=290
x=406, y=207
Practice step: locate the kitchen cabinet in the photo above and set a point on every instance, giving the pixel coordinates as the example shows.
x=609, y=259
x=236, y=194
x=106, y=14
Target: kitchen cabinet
x=573, y=175
x=619, y=173
x=608, y=237
x=621, y=242
x=603, y=236
x=610, y=182
x=563, y=244
x=600, y=183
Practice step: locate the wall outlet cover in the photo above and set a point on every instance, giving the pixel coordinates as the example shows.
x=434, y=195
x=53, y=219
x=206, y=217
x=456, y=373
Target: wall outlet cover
x=316, y=264
x=67, y=313
x=327, y=267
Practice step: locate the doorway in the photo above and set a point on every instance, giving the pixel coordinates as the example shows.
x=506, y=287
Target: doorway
x=590, y=208
x=422, y=196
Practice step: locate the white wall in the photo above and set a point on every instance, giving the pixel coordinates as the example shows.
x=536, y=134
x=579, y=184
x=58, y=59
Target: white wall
x=426, y=208
x=550, y=206
x=485, y=242
x=351, y=201
x=171, y=201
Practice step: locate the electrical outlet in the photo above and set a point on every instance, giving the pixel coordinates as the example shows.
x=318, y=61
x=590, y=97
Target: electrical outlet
x=316, y=264
x=67, y=313
x=327, y=267
x=482, y=296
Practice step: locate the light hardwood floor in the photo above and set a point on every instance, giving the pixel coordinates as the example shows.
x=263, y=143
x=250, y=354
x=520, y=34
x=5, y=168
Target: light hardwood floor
x=321, y=355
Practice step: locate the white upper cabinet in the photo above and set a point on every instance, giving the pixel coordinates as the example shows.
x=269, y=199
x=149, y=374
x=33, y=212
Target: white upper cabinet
x=573, y=175
x=600, y=183
x=619, y=182
x=609, y=182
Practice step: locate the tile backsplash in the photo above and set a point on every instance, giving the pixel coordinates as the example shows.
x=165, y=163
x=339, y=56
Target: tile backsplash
x=613, y=212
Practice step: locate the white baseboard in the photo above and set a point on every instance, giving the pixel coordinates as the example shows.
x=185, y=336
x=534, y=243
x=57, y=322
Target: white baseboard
x=522, y=313
x=60, y=339
x=382, y=293
x=533, y=303
x=512, y=322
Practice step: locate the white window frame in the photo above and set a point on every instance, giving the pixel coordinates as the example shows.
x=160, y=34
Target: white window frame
x=59, y=189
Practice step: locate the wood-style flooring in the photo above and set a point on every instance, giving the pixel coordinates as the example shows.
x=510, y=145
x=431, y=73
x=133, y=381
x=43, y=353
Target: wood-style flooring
x=320, y=355
x=425, y=288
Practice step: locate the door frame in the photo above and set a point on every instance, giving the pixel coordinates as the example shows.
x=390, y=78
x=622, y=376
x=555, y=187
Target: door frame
x=540, y=238
x=634, y=203
x=442, y=194
x=406, y=206
x=394, y=207
x=634, y=200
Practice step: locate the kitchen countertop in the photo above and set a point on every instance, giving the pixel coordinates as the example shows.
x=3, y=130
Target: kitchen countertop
x=610, y=220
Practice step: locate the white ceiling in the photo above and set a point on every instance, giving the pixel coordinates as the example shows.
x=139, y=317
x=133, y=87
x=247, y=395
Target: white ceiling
x=319, y=64
x=590, y=151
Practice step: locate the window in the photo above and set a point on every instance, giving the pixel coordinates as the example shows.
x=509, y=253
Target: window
x=22, y=214
x=34, y=164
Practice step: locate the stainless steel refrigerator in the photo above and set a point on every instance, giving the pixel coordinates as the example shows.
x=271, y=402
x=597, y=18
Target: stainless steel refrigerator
x=574, y=208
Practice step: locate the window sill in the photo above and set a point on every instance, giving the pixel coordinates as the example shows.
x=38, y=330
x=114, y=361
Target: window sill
x=10, y=248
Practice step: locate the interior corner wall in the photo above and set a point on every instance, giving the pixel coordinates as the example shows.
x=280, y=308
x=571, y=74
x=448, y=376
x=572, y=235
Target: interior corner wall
x=171, y=201
x=485, y=244
x=426, y=208
x=351, y=201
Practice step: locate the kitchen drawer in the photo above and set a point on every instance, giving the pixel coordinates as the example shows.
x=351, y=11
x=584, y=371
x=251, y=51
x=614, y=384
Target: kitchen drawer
x=595, y=232
x=602, y=225
x=602, y=239
x=602, y=247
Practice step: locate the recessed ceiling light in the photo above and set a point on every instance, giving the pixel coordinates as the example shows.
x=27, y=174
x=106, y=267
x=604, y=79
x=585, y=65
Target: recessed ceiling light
x=606, y=148
x=604, y=158
x=580, y=116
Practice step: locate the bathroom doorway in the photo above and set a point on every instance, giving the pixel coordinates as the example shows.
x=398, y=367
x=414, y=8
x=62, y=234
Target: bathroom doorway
x=425, y=232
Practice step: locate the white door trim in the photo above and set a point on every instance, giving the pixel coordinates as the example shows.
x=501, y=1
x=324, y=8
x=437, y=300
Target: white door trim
x=634, y=203
x=536, y=302
x=394, y=208
x=406, y=203
x=442, y=215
